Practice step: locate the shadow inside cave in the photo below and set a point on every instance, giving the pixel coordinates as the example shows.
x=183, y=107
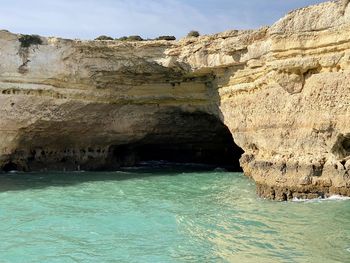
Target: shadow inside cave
x=177, y=136
x=181, y=142
x=196, y=137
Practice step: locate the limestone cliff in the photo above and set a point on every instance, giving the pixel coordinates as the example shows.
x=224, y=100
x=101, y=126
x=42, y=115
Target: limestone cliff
x=282, y=91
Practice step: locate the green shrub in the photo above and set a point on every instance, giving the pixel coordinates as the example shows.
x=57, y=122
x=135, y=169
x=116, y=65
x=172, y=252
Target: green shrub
x=103, y=37
x=28, y=40
x=130, y=38
x=168, y=38
x=193, y=34
x=135, y=38
x=122, y=38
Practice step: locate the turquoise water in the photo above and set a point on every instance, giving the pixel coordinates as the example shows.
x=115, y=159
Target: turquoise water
x=163, y=215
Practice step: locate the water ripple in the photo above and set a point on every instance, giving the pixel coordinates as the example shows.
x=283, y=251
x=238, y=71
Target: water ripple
x=137, y=216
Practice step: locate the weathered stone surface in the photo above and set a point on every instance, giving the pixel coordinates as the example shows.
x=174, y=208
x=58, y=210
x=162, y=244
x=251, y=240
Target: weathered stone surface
x=291, y=113
x=283, y=92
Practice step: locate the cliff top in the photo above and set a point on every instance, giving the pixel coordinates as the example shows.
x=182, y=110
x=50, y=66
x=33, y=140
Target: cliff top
x=307, y=19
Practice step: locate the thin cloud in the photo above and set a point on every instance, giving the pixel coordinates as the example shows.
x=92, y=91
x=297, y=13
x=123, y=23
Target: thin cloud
x=149, y=18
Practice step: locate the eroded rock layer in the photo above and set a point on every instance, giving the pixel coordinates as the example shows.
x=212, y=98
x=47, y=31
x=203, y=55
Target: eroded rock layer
x=282, y=91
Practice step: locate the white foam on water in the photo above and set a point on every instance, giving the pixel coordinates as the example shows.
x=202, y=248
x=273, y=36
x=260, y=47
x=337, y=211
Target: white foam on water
x=338, y=197
x=331, y=198
x=295, y=199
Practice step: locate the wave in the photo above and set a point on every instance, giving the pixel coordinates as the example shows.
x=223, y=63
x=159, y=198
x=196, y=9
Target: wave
x=330, y=198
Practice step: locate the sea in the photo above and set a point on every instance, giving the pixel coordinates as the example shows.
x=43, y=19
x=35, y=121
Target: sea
x=159, y=212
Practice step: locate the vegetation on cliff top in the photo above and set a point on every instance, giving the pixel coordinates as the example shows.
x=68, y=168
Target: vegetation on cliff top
x=135, y=38
x=103, y=37
x=131, y=38
x=28, y=40
x=193, y=34
x=168, y=38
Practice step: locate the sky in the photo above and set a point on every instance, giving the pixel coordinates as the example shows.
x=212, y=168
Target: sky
x=87, y=19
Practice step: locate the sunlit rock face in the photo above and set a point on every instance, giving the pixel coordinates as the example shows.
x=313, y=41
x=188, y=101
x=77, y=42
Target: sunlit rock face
x=282, y=92
x=70, y=105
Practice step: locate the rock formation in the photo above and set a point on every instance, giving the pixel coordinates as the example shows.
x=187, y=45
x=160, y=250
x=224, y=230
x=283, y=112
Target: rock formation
x=282, y=92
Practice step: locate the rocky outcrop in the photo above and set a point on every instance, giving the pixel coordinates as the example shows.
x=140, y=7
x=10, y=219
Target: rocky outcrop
x=282, y=91
x=93, y=105
x=288, y=108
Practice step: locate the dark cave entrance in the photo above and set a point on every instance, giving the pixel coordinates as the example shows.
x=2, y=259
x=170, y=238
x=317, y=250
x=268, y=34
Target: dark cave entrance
x=183, y=137
x=341, y=147
x=174, y=136
x=10, y=166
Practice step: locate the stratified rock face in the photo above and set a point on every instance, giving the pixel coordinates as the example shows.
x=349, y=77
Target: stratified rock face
x=68, y=105
x=289, y=107
x=283, y=92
